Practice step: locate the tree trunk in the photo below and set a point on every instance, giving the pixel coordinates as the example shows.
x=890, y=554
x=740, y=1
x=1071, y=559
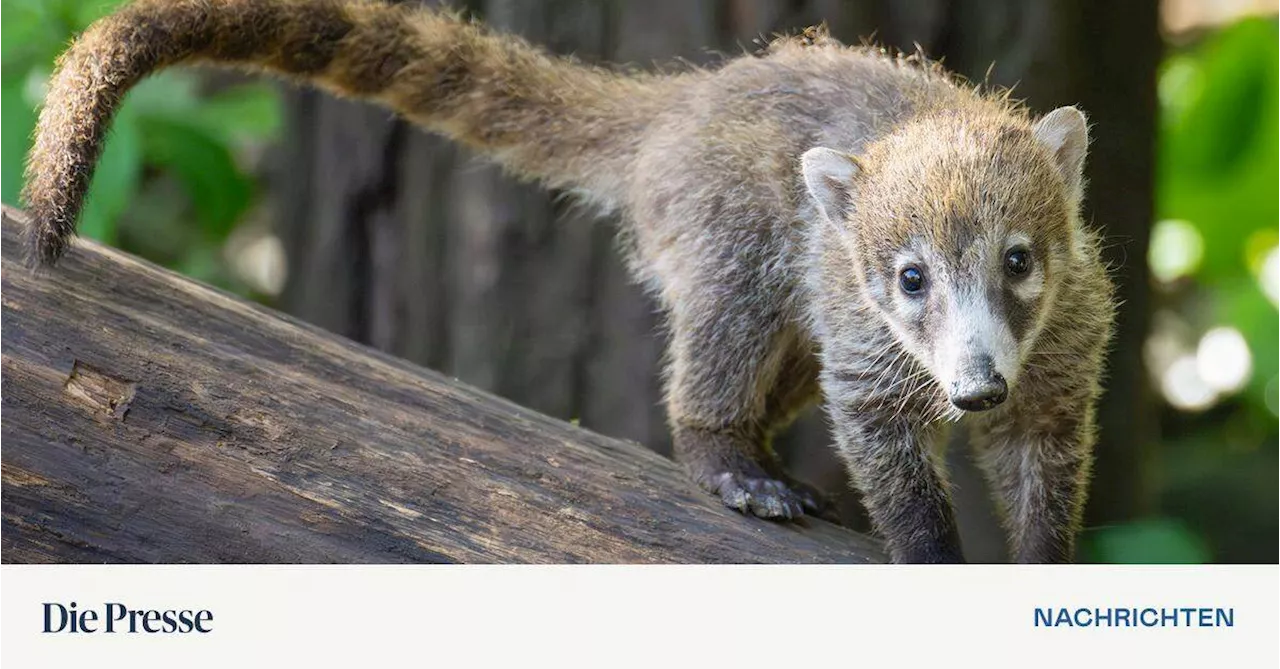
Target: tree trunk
x=151, y=419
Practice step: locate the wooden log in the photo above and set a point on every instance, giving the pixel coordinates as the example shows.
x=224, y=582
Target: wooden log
x=148, y=418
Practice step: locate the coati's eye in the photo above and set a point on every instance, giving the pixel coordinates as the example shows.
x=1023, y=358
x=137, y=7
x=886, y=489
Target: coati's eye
x=1017, y=262
x=912, y=280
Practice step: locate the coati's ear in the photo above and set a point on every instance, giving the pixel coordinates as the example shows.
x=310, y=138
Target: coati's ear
x=829, y=174
x=1065, y=132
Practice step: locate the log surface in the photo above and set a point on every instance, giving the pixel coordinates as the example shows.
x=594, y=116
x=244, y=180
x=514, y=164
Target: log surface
x=147, y=418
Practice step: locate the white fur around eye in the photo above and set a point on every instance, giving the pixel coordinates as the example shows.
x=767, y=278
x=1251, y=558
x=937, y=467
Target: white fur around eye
x=1030, y=287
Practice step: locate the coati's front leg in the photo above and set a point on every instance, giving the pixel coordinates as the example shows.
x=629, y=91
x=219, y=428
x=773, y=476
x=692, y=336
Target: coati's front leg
x=1038, y=471
x=733, y=379
x=893, y=456
x=892, y=466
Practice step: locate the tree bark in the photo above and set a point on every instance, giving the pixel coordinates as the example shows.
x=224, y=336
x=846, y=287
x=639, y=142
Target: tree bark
x=148, y=418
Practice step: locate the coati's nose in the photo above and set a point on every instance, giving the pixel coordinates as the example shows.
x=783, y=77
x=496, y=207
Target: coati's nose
x=979, y=392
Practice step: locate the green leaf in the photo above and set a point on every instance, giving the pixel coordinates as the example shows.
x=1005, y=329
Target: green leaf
x=116, y=179
x=240, y=113
x=1219, y=163
x=1231, y=102
x=219, y=191
x=81, y=12
x=171, y=93
x=17, y=119
x=248, y=112
x=1148, y=541
x=21, y=30
x=203, y=263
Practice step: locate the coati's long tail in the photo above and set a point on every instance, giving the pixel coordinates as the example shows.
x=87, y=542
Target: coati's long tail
x=543, y=117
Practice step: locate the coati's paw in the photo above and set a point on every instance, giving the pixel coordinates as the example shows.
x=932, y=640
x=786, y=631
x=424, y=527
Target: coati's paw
x=762, y=497
x=752, y=482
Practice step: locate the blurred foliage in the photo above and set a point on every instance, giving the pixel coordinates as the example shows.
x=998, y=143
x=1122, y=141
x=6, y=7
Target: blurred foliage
x=1218, y=168
x=175, y=154
x=173, y=183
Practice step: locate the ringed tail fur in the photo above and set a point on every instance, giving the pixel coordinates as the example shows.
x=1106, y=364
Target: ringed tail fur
x=543, y=117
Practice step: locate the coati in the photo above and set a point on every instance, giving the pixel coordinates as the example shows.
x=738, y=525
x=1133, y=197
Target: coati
x=815, y=220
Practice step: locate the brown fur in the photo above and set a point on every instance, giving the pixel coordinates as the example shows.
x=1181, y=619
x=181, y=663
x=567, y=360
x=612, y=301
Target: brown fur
x=451, y=76
x=778, y=272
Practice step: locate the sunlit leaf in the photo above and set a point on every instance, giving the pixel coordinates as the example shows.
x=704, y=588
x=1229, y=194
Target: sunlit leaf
x=1218, y=164
x=1244, y=306
x=1229, y=102
x=1174, y=250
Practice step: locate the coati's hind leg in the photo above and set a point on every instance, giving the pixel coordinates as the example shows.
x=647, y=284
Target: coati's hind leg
x=725, y=361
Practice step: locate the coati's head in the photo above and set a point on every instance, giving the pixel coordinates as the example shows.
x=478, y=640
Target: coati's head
x=960, y=227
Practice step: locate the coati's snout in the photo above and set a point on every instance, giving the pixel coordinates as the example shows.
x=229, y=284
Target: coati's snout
x=967, y=341
x=979, y=386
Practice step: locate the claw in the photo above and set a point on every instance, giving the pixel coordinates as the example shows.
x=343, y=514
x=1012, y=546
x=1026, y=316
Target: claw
x=762, y=497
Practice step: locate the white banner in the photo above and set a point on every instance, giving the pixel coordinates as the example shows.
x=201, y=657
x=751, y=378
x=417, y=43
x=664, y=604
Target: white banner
x=609, y=616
